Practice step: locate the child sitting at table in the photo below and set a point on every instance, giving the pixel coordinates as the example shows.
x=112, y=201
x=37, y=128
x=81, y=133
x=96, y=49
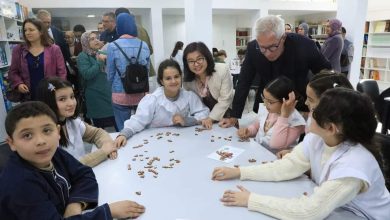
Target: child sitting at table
x=317, y=85
x=58, y=94
x=339, y=151
x=41, y=180
x=279, y=124
x=167, y=106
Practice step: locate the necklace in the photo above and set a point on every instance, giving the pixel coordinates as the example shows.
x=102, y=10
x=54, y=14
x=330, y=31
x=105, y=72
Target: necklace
x=268, y=125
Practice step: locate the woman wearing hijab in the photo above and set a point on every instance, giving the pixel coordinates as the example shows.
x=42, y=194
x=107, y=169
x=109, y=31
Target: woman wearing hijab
x=303, y=29
x=334, y=44
x=96, y=88
x=124, y=104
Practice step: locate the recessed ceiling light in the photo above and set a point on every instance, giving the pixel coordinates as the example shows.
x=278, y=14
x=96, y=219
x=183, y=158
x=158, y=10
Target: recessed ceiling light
x=90, y=16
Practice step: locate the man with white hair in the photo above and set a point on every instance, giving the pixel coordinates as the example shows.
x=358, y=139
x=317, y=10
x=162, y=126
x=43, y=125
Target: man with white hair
x=272, y=54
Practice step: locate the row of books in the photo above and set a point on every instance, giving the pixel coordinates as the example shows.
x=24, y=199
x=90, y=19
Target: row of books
x=4, y=86
x=242, y=33
x=3, y=57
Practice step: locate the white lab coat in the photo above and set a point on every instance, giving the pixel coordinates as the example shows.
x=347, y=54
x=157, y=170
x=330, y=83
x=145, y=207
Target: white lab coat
x=351, y=160
x=155, y=110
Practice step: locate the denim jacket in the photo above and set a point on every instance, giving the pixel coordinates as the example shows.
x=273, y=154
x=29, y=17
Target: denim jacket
x=116, y=60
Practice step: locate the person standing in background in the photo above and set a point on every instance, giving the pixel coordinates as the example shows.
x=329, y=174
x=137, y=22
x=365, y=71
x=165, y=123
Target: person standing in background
x=78, y=30
x=346, y=54
x=70, y=40
x=109, y=24
x=56, y=34
x=34, y=60
x=303, y=29
x=72, y=66
x=124, y=104
x=97, y=91
x=221, y=56
x=100, y=28
x=142, y=35
x=334, y=44
x=288, y=28
x=177, y=54
x=235, y=66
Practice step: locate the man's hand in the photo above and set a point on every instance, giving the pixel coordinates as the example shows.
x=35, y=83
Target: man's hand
x=228, y=122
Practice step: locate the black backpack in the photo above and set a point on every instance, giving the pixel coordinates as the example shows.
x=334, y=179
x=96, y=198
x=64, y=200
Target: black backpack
x=135, y=79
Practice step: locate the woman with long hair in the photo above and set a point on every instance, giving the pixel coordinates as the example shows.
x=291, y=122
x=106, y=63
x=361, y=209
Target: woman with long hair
x=34, y=60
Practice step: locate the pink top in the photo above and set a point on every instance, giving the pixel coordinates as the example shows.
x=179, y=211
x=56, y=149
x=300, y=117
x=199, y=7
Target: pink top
x=283, y=135
x=126, y=99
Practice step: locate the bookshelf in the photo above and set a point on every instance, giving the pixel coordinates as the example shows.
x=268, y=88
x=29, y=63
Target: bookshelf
x=376, y=53
x=12, y=15
x=243, y=36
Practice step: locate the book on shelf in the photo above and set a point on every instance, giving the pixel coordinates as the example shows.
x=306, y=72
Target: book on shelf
x=4, y=86
x=3, y=56
x=382, y=26
x=374, y=74
x=242, y=33
x=18, y=14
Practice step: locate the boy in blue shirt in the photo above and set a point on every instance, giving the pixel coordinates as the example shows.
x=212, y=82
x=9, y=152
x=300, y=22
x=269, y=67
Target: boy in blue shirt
x=42, y=181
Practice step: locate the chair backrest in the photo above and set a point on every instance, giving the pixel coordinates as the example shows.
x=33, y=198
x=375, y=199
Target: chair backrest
x=380, y=104
x=384, y=160
x=369, y=87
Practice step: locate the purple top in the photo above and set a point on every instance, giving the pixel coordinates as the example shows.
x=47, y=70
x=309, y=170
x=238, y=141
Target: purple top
x=331, y=49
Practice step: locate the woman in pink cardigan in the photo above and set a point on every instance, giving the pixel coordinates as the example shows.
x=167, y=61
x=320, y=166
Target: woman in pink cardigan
x=34, y=60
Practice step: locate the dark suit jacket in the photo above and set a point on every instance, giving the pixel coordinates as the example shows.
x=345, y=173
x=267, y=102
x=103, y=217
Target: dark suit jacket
x=59, y=39
x=299, y=56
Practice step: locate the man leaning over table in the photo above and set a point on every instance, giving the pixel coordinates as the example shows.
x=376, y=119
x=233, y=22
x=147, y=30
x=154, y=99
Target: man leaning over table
x=272, y=54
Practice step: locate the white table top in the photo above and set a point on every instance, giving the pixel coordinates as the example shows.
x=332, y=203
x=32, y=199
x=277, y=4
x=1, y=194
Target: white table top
x=186, y=191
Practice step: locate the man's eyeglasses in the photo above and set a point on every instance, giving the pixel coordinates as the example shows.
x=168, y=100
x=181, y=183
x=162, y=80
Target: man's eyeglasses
x=271, y=48
x=267, y=101
x=198, y=61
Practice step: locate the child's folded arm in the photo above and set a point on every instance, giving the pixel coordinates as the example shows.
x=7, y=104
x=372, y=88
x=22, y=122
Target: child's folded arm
x=283, y=135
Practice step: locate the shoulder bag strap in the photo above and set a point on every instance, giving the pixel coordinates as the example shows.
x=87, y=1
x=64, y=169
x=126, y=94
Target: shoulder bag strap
x=139, y=51
x=124, y=54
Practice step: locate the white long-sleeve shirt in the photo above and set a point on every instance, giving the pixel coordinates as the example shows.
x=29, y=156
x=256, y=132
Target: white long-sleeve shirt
x=156, y=110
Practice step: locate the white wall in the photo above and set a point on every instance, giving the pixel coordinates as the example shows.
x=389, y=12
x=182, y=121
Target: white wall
x=174, y=30
x=224, y=34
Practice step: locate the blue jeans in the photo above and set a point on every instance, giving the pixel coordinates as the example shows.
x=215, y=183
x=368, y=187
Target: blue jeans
x=122, y=113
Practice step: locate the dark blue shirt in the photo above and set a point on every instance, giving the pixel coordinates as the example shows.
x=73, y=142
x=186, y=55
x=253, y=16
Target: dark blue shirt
x=27, y=192
x=37, y=71
x=108, y=36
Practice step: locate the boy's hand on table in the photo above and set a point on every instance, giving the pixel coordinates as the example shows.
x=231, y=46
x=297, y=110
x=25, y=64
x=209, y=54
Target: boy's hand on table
x=126, y=209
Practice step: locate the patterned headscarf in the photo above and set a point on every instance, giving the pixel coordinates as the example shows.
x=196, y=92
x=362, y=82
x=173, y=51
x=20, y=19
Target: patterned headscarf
x=85, y=43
